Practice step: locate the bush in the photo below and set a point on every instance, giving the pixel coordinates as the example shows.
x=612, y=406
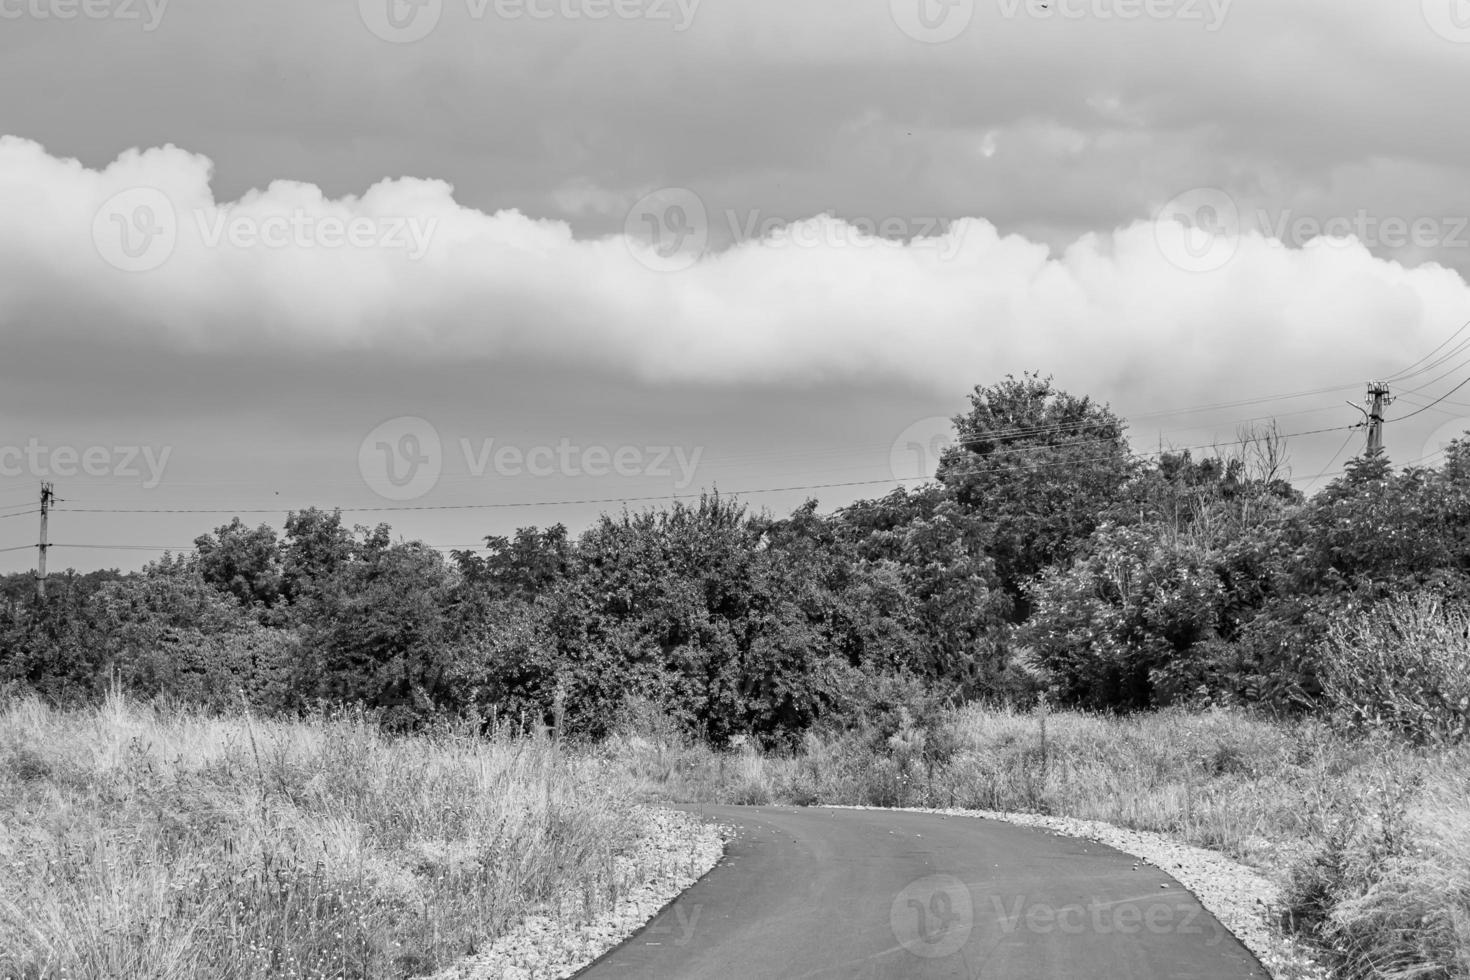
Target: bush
x=1403, y=666
x=1388, y=891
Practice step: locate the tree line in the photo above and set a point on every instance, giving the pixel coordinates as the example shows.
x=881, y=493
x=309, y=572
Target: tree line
x=1045, y=558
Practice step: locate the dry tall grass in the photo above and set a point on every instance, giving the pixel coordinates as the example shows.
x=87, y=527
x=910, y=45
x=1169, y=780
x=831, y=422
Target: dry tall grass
x=137, y=844
x=1403, y=666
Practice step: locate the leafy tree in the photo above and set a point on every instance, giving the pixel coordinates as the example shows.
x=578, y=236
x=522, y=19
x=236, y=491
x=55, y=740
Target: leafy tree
x=1130, y=623
x=380, y=630
x=243, y=561
x=956, y=602
x=1042, y=467
x=525, y=566
x=51, y=646
x=318, y=547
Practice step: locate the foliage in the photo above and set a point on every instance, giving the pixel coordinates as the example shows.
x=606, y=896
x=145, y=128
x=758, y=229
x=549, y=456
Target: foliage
x=1046, y=555
x=1404, y=667
x=242, y=561
x=1040, y=466
x=1130, y=624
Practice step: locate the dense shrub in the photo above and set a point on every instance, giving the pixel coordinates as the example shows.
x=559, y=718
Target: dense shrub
x=1045, y=555
x=1403, y=666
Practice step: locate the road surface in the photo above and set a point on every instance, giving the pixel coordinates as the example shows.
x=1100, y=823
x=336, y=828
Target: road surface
x=822, y=894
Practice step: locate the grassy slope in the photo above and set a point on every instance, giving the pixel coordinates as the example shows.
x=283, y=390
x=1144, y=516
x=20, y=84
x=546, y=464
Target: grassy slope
x=144, y=845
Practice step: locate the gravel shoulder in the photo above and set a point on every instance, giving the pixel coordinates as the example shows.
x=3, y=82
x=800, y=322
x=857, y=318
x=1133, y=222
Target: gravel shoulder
x=1241, y=898
x=675, y=850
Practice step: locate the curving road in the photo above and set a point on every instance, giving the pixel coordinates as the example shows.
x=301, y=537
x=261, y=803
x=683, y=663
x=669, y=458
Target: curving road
x=821, y=894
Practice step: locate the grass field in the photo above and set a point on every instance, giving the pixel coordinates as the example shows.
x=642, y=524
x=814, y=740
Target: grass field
x=154, y=844
x=138, y=844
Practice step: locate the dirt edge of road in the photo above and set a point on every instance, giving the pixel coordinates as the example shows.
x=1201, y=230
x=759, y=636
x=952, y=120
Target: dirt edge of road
x=675, y=851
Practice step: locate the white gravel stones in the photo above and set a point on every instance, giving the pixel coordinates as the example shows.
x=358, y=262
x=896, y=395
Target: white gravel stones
x=1242, y=899
x=676, y=851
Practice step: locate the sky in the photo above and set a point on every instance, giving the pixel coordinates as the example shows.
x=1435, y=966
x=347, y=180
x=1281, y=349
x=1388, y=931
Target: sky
x=470, y=265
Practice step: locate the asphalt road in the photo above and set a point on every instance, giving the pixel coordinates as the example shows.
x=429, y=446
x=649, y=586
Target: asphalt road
x=823, y=893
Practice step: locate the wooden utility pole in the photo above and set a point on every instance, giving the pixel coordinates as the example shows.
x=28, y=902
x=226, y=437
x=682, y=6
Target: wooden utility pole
x=1380, y=399
x=41, y=547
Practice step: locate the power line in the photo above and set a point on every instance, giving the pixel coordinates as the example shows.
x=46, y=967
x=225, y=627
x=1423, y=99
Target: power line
x=999, y=434
x=1435, y=402
x=1334, y=459
x=408, y=508
x=185, y=548
x=1429, y=384
x=1408, y=372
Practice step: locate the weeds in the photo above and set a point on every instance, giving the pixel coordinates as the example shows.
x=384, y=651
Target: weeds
x=144, y=844
x=1404, y=667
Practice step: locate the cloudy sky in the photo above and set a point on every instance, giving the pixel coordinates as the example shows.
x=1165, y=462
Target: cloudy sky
x=466, y=265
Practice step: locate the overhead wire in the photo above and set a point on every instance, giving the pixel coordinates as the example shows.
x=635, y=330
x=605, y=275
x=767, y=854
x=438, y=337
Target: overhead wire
x=1334, y=459
x=1421, y=366
x=400, y=508
x=1433, y=403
